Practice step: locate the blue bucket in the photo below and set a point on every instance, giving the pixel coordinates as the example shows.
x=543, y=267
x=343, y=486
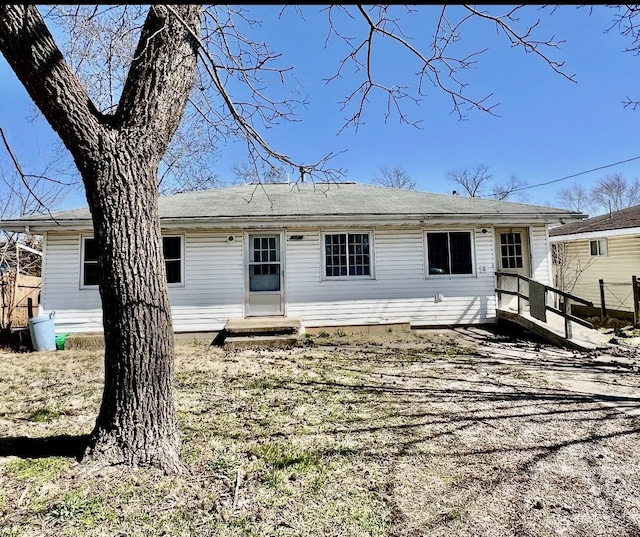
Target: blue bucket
x=42, y=330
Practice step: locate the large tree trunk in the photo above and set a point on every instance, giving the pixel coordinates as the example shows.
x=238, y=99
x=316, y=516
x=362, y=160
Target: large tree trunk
x=136, y=425
x=118, y=157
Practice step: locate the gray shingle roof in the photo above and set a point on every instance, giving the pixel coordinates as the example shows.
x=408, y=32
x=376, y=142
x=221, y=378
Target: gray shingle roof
x=623, y=219
x=318, y=200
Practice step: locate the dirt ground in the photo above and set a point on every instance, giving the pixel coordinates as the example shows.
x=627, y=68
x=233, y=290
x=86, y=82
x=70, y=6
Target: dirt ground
x=456, y=433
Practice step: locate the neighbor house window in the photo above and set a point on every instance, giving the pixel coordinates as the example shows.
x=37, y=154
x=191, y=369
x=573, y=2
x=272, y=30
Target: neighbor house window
x=449, y=252
x=599, y=247
x=557, y=253
x=171, y=246
x=347, y=254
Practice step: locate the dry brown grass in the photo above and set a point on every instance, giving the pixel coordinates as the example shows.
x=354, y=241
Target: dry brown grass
x=458, y=433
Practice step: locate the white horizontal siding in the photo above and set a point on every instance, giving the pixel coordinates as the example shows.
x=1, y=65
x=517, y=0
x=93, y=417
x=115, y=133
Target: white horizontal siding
x=212, y=292
x=400, y=291
x=213, y=289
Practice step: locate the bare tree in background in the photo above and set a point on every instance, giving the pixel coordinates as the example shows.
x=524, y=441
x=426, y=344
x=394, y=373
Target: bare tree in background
x=476, y=181
x=575, y=197
x=394, y=177
x=177, y=56
x=472, y=180
x=249, y=172
x=615, y=192
x=510, y=189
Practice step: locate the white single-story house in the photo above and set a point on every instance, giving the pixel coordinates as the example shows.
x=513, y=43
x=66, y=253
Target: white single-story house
x=335, y=254
x=605, y=247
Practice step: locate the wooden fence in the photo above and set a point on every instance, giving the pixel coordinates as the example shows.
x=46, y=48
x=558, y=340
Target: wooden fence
x=15, y=297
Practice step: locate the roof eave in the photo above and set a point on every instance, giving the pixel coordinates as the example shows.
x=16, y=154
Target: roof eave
x=584, y=235
x=26, y=225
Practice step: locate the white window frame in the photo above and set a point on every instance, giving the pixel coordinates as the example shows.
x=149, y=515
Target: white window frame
x=425, y=245
x=323, y=248
x=558, y=253
x=181, y=283
x=83, y=238
x=601, y=248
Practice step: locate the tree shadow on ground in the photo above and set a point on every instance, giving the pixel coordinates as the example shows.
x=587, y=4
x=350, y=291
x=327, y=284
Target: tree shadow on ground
x=63, y=445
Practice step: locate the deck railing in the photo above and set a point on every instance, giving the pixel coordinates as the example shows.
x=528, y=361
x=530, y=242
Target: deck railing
x=523, y=294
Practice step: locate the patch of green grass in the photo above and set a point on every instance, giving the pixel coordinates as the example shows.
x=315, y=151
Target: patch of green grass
x=45, y=415
x=323, y=335
x=85, y=511
x=223, y=463
x=190, y=453
x=278, y=456
x=37, y=471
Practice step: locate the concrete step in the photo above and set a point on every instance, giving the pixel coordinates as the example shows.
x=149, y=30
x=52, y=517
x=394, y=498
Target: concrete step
x=259, y=331
x=263, y=325
x=253, y=341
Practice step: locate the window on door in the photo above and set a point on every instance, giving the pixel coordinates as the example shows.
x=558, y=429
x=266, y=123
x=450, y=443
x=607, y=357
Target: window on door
x=264, y=264
x=511, y=252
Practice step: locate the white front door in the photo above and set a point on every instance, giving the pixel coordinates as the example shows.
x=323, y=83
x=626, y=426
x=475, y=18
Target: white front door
x=513, y=255
x=264, y=289
x=513, y=251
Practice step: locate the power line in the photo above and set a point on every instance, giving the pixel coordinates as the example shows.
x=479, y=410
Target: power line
x=576, y=174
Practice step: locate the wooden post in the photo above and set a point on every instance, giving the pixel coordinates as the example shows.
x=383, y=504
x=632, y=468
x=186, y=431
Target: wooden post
x=567, y=322
x=603, y=307
x=29, y=307
x=519, y=300
x=14, y=301
x=636, y=302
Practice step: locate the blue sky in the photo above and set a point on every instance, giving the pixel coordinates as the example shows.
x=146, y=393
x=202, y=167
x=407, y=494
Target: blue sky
x=547, y=127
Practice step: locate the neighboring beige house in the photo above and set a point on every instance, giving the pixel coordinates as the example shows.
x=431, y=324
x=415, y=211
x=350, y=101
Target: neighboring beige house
x=603, y=247
x=329, y=254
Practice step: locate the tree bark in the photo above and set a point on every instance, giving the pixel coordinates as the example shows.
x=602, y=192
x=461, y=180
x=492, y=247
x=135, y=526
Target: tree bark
x=118, y=157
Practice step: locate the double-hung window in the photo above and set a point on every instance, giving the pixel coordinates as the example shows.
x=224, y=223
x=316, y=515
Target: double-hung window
x=449, y=252
x=173, y=259
x=90, y=269
x=172, y=249
x=347, y=254
x=598, y=247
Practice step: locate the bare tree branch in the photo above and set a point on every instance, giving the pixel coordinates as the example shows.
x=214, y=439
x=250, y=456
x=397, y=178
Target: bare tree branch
x=439, y=64
x=46, y=191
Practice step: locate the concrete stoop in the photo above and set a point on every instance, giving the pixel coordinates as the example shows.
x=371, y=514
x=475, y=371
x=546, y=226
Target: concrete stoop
x=260, y=332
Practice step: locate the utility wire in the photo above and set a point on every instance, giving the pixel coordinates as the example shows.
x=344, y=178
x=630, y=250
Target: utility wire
x=576, y=174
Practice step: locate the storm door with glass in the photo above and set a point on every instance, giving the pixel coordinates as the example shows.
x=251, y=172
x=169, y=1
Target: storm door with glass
x=264, y=280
